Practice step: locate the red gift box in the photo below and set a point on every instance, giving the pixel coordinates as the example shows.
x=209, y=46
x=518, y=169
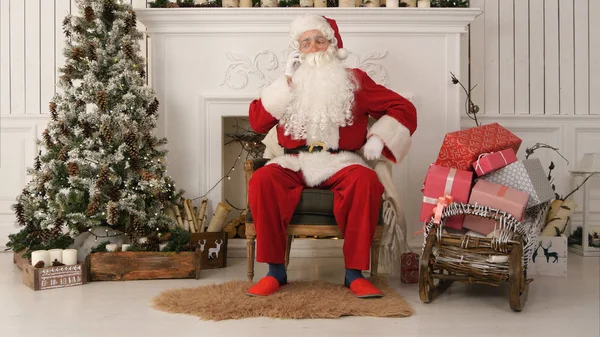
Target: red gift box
x=504, y=198
x=441, y=181
x=461, y=148
x=490, y=162
x=409, y=268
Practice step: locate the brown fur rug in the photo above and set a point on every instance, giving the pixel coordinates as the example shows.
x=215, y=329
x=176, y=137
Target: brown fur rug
x=300, y=299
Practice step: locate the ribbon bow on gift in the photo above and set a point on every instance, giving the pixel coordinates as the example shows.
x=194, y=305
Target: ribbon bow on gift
x=442, y=203
x=478, y=166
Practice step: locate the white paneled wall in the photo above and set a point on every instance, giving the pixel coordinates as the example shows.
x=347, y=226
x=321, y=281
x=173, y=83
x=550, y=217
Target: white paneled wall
x=539, y=57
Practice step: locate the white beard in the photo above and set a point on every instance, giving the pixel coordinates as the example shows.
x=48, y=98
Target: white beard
x=322, y=99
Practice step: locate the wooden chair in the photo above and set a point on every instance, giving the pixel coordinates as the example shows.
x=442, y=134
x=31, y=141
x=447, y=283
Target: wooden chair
x=313, y=217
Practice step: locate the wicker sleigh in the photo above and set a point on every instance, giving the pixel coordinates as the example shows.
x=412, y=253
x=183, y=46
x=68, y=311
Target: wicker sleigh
x=495, y=261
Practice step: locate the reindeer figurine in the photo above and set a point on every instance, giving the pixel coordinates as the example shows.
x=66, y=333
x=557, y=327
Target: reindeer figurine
x=215, y=250
x=535, y=252
x=202, y=244
x=549, y=255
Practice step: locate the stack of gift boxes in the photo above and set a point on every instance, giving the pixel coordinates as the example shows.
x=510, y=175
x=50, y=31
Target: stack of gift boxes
x=480, y=166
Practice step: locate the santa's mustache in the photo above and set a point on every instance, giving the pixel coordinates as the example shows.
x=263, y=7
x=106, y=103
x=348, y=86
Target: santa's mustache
x=319, y=58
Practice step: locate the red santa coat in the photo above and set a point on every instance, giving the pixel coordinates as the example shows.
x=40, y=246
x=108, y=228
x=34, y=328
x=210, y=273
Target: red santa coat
x=396, y=122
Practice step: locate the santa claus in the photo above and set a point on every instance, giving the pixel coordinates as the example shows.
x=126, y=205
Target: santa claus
x=321, y=111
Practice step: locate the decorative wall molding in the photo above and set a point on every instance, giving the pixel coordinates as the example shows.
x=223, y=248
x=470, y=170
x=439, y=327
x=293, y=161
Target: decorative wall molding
x=238, y=72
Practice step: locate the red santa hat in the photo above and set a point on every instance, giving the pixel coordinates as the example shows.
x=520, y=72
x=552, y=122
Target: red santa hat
x=326, y=25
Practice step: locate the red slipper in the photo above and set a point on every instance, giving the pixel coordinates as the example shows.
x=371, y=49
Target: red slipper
x=266, y=286
x=362, y=288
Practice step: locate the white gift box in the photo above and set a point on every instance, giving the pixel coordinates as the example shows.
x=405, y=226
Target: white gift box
x=549, y=257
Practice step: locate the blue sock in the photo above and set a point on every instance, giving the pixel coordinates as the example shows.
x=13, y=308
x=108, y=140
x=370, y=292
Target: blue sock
x=351, y=275
x=278, y=272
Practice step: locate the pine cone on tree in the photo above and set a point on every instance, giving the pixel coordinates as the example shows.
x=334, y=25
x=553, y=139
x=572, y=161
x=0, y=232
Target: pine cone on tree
x=93, y=205
x=128, y=50
x=131, y=21
x=63, y=154
x=114, y=193
x=89, y=14
x=73, y=169
x=37, y=164
x=64, y=129
x=67, y=79
x=101, y=100
x=153, y=107
x=147, y=175
x=76, y=53
x=102, y=176
x=108, y=11
x=91, y=51
x=53, y=114
x=112, y=214
x=143, y=73
x=106, y=132
x=20, y=213
x=47, y=139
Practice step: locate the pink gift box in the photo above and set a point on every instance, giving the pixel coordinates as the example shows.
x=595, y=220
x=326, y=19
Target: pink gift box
x=497, y=196
x=441, y=181
x=490, y=162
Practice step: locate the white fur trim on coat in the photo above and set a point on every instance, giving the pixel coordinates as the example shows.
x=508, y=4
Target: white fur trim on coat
x=317, y=167
x=276, y=97
x=395, y=136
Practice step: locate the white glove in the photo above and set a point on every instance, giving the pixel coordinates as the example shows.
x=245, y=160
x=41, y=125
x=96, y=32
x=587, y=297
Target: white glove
x=290, y=67
x=373, y=148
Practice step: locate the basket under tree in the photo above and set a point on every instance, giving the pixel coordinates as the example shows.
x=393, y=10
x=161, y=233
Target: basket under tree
x=99, y=162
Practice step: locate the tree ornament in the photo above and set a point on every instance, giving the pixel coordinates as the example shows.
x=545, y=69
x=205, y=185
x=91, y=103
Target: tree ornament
x=112, y=216
x=64, y=129
x=153, y=107
x=131, y=20
x=147, y=175
x=37, y=164
x=20, y=213
x=129, y=51
x=63, y=154
x=73, y=169
x=102, y=176
x=106, y=132
x=114, y=193
x=47, y=139
x=87, y=129
x=76, y=53
x=91, y=51
x=89, y=13
x=101, y=100
x=53, y=114
x=108, y=10
x=93, y=205
x=67, y=79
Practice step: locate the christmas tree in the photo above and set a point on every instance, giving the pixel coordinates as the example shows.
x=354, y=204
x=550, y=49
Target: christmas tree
x=99, y=163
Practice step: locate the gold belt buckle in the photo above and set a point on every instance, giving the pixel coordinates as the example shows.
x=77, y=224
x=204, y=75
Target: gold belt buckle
x=310, y=149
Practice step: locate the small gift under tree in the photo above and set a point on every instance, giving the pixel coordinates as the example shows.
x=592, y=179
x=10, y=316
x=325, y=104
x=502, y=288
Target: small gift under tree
x=99, y=163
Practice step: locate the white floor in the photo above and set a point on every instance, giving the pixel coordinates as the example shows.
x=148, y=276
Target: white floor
x=556, y=307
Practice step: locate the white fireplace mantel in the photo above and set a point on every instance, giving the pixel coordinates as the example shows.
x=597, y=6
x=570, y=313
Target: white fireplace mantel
x=209, y=63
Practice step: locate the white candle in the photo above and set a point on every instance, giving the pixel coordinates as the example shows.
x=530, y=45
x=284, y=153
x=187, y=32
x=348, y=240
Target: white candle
x=347, y=3
x=111, y=247
x=307, y=3
x=410, y=3
x=55, y=254
x=392, y=3
x=372, y=3
x=200, y=2
x=268, y=3
x=424, y=4
x=245, y=3
x=320, y=3
x=69, y=257
x=125, y=247
x=40, y=255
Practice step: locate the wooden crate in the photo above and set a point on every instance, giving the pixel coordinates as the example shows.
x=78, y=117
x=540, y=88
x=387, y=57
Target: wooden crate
x=123, y=266
x=213, y=248
x=50, y=277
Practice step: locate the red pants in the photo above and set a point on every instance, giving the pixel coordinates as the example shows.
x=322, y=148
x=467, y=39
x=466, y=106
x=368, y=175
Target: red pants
x=274, y=193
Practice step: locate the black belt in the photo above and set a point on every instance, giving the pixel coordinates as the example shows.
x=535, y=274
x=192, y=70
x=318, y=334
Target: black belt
x=306, y=148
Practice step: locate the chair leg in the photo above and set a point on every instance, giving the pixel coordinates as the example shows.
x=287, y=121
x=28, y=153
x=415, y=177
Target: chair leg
x=250, y=245
x=288, y=247
x=374, y=257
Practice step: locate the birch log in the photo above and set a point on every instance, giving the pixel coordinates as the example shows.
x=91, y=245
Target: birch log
x=202, y=215
x=219, y=218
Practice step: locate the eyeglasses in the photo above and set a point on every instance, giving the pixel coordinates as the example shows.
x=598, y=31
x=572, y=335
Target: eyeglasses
x=320, y=42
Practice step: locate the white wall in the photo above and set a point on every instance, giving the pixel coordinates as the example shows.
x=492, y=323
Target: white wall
x=536, y=64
